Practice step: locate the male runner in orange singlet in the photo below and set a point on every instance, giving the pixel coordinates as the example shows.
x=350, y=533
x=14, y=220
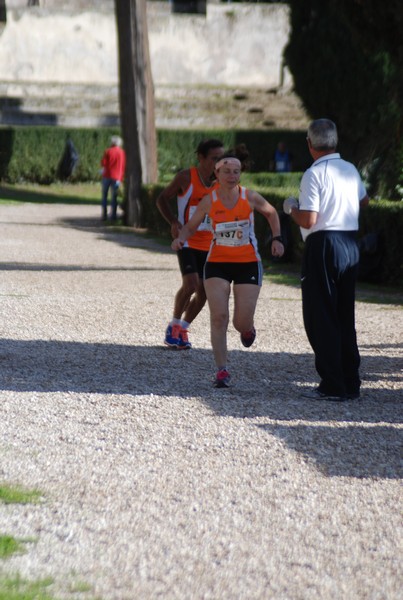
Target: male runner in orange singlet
x=189, y=186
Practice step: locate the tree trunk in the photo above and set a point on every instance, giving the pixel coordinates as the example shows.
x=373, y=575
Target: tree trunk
x=136, y=104
x=3, y=14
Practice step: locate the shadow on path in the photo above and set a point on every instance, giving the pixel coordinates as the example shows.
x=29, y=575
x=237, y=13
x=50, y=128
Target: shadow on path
x=14, y=266
x=121, y=235
x=264, y=384
x=349, y=451
x=362, y=440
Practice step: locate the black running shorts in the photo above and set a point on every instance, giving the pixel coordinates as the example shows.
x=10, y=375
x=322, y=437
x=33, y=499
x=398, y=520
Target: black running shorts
x=191, y=261
x=251, y=272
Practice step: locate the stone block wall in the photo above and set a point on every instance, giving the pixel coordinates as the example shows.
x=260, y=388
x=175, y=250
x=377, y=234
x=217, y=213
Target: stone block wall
x=59, y=60
x=75, y=42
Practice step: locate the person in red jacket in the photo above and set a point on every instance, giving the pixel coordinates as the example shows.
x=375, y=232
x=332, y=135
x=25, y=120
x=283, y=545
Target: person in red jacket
x=113, y=170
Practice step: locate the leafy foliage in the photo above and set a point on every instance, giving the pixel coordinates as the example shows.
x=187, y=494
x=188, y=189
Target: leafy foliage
x=346, y=59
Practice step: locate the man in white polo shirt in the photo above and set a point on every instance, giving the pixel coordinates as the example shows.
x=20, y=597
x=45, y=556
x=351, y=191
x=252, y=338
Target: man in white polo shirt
x=330, y=197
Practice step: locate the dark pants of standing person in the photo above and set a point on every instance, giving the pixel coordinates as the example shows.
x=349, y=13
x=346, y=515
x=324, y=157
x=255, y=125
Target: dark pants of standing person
x=107, y=183
x=328, y=277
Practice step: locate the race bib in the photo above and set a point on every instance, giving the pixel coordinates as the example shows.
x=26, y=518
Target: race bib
x=235, y=233
x=205, y=225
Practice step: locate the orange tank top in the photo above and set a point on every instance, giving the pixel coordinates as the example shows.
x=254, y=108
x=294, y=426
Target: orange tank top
x=187, y=204
x=234, y=237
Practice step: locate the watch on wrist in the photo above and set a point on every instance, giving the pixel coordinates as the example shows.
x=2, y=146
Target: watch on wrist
x=278, y=238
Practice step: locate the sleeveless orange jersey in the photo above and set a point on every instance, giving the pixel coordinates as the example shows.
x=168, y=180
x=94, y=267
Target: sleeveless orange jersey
x=187, y=204
x=234, y=238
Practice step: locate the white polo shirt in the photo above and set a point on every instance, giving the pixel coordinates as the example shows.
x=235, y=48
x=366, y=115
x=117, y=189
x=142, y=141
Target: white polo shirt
x=333, y=188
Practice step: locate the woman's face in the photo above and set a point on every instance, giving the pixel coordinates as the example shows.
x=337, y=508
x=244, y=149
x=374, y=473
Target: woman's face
x=229, y=175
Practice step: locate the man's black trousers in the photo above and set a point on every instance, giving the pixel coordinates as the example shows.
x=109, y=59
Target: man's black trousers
x=328, y=277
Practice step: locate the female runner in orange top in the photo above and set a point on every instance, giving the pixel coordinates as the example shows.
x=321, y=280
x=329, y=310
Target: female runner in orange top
x=233, y=256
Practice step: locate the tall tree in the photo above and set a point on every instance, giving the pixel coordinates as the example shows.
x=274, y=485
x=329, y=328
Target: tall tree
x=136, y=104
x=346, y=60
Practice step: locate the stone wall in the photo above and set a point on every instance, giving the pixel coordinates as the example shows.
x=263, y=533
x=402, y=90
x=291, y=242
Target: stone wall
x=59, y=63
x=234, y=44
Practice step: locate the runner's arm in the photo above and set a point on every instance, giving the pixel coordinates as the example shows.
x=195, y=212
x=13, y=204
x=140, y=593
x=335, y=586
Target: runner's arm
x=191, y=226
x=178, y=185
x=261, y=205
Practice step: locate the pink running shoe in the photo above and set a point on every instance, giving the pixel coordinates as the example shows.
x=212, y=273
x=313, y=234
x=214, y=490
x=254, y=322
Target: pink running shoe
x=248, y=337
x=222, y=379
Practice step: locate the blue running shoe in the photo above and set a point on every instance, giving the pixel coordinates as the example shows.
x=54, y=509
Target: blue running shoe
x=186, y=345
x=176, y=337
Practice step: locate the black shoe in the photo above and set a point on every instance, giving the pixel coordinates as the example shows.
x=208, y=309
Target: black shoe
x=316, y=394
x=353, y=395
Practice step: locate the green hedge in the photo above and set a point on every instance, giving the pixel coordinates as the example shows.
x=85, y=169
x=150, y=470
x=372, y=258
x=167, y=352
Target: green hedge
x=176, y=148
x=33, y=153
x=383, y=218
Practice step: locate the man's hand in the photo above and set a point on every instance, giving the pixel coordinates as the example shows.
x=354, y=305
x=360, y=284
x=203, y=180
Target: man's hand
x=289, y=204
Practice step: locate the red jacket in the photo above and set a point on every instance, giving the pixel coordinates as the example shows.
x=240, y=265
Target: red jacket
x=114, y=163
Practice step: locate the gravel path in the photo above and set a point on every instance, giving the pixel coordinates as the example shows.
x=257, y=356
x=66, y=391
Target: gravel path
x=156, y=485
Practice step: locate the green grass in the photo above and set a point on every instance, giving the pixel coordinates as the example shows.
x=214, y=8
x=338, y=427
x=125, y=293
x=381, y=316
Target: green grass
x=81, y=587
x=54, y=193
x=15, y=588
x=17, y=495
x=378, y=294
x=9, y=546
x=283, y=275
